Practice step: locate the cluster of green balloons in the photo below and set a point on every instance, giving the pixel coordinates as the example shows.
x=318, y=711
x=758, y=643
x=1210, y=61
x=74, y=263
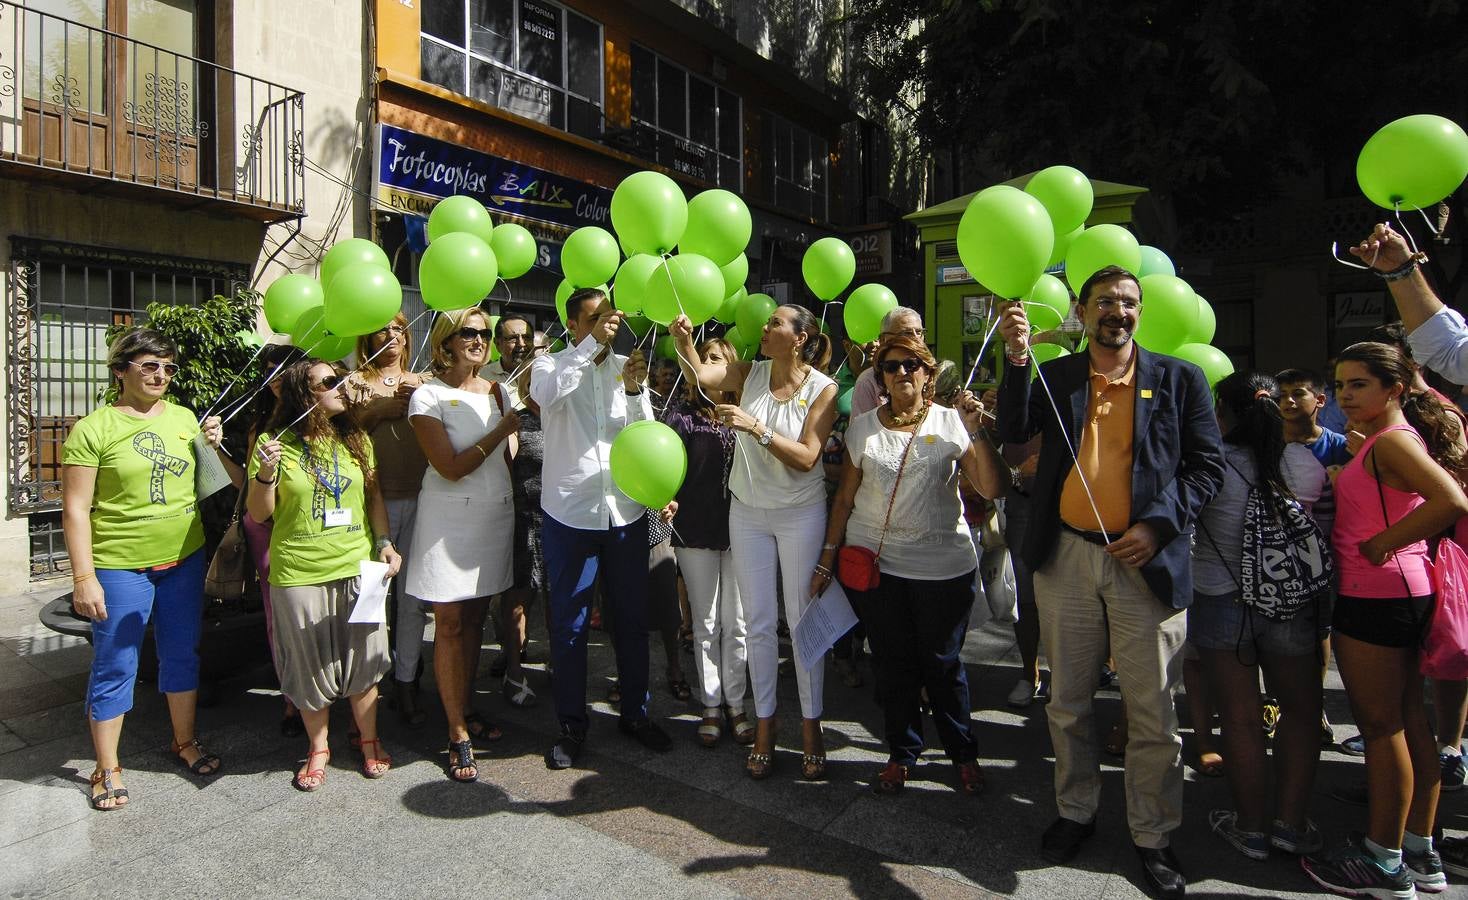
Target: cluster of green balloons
x=1414, y=161
x=468, y=254
x=357, y=294
x=648, y=463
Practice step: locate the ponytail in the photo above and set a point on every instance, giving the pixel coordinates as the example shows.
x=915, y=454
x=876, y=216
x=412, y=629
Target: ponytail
x=817, y=348
x=1252, y=402
x=1440, y=429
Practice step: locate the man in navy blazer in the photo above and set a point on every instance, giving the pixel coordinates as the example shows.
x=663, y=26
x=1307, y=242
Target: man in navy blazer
x=1130, y=452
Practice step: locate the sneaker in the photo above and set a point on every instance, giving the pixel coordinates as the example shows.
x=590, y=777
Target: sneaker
x=1454, y=855
x=564, y=752
x=1354, y=746
x=1426, y=869
x=1454, y=772
x=647, y=734
x=1253, y=844
x=1289, y=839
x=1023, y=694
x=1271, y=716
x=1352, y=871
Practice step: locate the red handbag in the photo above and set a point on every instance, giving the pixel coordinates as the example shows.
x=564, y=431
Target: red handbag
x=856, y=567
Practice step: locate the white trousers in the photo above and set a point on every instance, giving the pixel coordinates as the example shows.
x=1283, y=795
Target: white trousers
x=761, y=540
x=720, y=652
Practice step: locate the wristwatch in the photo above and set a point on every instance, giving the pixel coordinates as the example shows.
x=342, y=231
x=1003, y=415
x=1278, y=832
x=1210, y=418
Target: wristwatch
x=766, y=435
x=379, y=544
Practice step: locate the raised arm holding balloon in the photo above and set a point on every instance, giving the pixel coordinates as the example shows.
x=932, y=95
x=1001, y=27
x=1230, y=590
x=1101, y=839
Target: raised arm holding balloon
x=1437, y=333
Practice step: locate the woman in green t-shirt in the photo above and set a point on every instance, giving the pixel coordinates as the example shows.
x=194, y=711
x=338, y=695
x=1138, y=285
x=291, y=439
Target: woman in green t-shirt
x=316, y=481
x=136, y=545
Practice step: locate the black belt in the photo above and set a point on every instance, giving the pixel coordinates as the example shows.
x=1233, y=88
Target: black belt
x=1094, y=537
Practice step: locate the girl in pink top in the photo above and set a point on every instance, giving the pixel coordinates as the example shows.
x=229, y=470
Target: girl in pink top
x=1391, y=496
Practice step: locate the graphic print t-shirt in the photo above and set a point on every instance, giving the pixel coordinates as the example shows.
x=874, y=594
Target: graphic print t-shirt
x=314, y=483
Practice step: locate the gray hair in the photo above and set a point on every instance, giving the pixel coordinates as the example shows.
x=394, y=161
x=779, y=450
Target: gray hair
x=898, y=314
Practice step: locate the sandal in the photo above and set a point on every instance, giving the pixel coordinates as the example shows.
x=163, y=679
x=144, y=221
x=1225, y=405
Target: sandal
x=312, y=779
x=813, y=766
x=117, y=795
x=743, y=729
x=461, y=757
x=1210, y=763
x=480, y=728
x=685, y=640
x=377, y=764
x=518, y=693
x=614, y=693
x=710, y=730
x=971, y=778
x=891, y=779
x=205, y=765
x=759, y=765
x=680, y=689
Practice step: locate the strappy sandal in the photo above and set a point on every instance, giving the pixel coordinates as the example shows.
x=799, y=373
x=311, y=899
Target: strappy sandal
x=759, y=765
x=743, y=729
x=680, y=689
x=518, y=693
x=117, y=795
x=312, y=779
x=710, y=731
x=375, y=765
x=813, y=766
x=481, y=728
x=891, y=780
x=971, y=778
x=461, y=757
x=207, y=765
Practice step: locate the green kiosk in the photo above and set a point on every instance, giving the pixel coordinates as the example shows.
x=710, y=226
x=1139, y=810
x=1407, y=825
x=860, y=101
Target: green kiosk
x=958, y=311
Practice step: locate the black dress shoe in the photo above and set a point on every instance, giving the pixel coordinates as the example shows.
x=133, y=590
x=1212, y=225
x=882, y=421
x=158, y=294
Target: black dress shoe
x=1062, y=840
x=563, y=753
x=647, y=734
x=1163, y=874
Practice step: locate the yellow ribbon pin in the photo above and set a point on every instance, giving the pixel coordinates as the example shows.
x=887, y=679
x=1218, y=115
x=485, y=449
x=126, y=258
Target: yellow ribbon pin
x=928, y=438
x=1146, y=393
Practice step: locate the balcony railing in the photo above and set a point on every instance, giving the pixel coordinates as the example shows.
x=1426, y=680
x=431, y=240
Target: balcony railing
x=79, y=99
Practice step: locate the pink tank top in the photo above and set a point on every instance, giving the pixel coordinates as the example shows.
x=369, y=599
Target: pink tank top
x=1358, y=517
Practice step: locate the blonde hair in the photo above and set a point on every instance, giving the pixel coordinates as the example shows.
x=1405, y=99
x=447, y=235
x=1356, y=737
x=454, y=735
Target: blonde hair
x=365, y=348
x=444, y=326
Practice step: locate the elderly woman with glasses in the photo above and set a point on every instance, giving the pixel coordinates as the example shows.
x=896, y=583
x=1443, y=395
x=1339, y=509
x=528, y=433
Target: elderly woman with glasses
x=899, y=498
x=136, y=544
x=315, y=479
x=462, y=552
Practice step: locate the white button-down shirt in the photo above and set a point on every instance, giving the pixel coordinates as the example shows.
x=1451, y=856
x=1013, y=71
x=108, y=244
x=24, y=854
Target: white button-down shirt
x=582, y=410
x=1441, y=344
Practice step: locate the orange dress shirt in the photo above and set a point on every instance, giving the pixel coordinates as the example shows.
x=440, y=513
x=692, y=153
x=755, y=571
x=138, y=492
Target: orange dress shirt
x=1104, y=457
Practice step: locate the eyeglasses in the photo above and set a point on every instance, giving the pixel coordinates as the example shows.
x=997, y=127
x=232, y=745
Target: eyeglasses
x=514, y=338
x=906, y=332
x=469, y=334
x=1108, y=306
x=909, y=365
x=392, y=330
x=152, y=367
x=329, y=383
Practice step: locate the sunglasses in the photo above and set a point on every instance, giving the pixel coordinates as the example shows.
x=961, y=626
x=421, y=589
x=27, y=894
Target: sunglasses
x=153, y=368
x=909, y=365
x=329, y=383
x=469, y=334
x=393, y=330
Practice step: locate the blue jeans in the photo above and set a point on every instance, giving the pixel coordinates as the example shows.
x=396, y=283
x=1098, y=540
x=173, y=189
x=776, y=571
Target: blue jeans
x=174, y=599
x=573, y=559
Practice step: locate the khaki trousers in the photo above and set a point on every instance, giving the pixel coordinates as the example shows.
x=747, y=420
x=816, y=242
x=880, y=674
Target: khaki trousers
x=1085, y=598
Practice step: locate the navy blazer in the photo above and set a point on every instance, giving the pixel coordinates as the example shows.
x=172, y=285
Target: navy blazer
x=1177, y=455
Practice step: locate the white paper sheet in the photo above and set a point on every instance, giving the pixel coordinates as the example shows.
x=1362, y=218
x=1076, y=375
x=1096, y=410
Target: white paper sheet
x=210, y=476
x=824, y=621
x=371, y=606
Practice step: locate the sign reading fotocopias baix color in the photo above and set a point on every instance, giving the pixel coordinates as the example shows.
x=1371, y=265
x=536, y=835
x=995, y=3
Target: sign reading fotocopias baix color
x=414, y=172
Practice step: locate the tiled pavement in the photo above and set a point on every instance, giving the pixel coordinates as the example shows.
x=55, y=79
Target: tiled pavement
x=686, y=823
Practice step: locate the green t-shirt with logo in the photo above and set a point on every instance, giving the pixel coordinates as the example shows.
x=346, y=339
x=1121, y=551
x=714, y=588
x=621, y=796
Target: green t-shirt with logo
x=315, y=482
x=143, y=509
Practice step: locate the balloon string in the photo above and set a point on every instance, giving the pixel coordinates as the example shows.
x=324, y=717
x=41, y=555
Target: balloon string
x=1086, y=485
x=1406, y=232
x=676, y=349
x=209, y=411
x=1335, y=254
x=250, y=395
x=1430, y=226
x=980, y=357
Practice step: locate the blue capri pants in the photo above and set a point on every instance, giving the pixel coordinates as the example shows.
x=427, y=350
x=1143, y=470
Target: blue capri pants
x=174, y=599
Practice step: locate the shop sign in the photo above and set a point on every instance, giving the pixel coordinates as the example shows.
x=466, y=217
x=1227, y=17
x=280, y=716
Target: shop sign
x=1360, y=310
x=954, y=275
x=873, y=251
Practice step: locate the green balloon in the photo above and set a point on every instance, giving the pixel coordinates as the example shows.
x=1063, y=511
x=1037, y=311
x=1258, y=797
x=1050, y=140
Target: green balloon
x=309, y=329
x=1062, y=246
x=1047, y=296
x=736, y=273
x=350, y=252
x=457, y=271
x=333, y=347
x=742, y=343
x=730, y=307
x=1043, y=353
x=1096, y=248
x=494, y=350
x=564, y=290
x=1214, y=362
x=648, y=463
x=1155, y=262
x=289, y=296
x=864, y=310
x=361, y=300
x=843, y=401
x=514, y=249
x=460, y=214
x=590, y=256
x=687, y=284
x=1413, y=162
x=1004, y=239
x=249, y=337
x=719, y=227
x=629, y=288
x=828, y=267
x=1169, y=313
x=664, y=348
x=649, y=213
x=639, y=325
x=1206, y=324
x=1066, y=195
x=753, y=312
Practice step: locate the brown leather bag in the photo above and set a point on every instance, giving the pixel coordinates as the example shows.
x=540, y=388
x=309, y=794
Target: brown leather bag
x=229, y=570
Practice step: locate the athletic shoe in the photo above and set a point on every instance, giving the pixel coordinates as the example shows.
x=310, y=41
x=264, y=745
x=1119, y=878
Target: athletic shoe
x=1271, y=716
x=1454, y=855
x=1225, y=824
x=1352, y=871
x=1289, y=839
x=1454, y=772
x=1023, y=693
x=1354, y=746
x=1426, y=869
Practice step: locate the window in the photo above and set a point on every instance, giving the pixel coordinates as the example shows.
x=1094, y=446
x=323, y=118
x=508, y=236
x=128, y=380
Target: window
x=692, y=125
x=795, y=162
x=532, y=58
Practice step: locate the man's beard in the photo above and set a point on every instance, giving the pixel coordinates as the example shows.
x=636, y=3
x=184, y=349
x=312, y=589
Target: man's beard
x=1115, y=339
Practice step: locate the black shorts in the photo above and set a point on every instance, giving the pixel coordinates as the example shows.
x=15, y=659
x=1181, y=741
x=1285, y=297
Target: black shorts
x=1383, y=621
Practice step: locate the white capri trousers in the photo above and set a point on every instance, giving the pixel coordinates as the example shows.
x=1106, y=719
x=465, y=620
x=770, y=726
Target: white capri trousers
x=720, y=651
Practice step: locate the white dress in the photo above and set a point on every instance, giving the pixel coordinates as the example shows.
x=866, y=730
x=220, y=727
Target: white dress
x=464, y=531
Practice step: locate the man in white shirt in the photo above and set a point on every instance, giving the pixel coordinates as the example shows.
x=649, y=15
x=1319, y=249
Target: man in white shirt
x=866, y=395
x=512, y=338
x=587, y=394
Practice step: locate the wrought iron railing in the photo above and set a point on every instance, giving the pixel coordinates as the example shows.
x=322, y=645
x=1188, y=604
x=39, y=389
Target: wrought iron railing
x=82, y=99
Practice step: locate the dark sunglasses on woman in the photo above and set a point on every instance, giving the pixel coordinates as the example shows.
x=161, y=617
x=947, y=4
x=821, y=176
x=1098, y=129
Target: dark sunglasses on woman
x=909, y=365
x=329, y=383
x=484, y=334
